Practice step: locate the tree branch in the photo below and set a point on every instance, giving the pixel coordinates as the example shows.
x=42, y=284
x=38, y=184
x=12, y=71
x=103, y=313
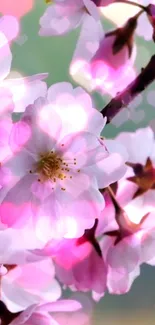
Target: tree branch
x=142, y=81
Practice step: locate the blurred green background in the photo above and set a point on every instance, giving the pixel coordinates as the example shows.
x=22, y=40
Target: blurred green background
x=53, y=55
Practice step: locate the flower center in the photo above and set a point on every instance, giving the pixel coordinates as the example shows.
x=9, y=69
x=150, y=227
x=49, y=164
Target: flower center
x=52, y=167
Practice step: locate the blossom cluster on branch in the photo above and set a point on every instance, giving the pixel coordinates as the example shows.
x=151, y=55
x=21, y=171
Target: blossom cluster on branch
x=77, y=209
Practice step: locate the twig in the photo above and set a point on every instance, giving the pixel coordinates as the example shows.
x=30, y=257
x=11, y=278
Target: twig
x=132, y=3
x=142, y=81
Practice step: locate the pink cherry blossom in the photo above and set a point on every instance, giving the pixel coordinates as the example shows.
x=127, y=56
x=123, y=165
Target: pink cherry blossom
x=129, y=194
x=78, y=262
x=63, y=16
x=51, y=196
x=67, y=195
x=128, y=239
x=77, y=113
x=33, y=283
x=120, y=247
x=122, y=258
x=95, y=66
x=45, y=313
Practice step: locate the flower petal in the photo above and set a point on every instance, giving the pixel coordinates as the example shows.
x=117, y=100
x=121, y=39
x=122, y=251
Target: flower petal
x=26, y=90
x=66, y=305
x=5, y=57
x=59, y=19
x=132, y=142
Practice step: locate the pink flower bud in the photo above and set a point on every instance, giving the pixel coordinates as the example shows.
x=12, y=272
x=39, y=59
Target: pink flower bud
x=114, y=57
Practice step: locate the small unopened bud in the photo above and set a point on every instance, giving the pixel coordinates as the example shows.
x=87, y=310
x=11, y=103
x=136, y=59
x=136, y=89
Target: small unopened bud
x=124, y=36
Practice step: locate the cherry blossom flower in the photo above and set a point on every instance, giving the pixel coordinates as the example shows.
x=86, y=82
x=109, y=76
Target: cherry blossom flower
x=24, y=285
x=136, y=189
x=78, y=262
x=121, y=248
x=49, y=188
x=123, y=263
x=58, y=173
x=99, y=60
x=128, y=238
x=39, y=314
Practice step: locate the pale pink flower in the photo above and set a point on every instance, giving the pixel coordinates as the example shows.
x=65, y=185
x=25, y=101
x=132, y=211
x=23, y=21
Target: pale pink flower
x=77, y=113
x=111, y=172
x=138, y=194
x=78, y=262
x=63, y=16
x=139, y=220
x=59, y=174
x=122, y=260
x=126, y=249
x=47, y=313
x=128, y=240
x=51, y=173
x=33, y=283
x=96, y=66
x=121, y=248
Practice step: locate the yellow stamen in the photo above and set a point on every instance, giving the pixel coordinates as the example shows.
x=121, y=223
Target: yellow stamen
x=51, y=167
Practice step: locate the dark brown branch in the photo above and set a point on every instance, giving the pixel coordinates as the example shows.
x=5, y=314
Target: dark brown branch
x=6, y=317
x=142, y=81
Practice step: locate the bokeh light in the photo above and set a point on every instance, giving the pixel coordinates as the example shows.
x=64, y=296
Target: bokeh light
x=16, y=8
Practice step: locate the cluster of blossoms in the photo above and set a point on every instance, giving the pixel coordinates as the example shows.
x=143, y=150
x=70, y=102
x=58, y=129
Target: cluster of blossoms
x=76, y=209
